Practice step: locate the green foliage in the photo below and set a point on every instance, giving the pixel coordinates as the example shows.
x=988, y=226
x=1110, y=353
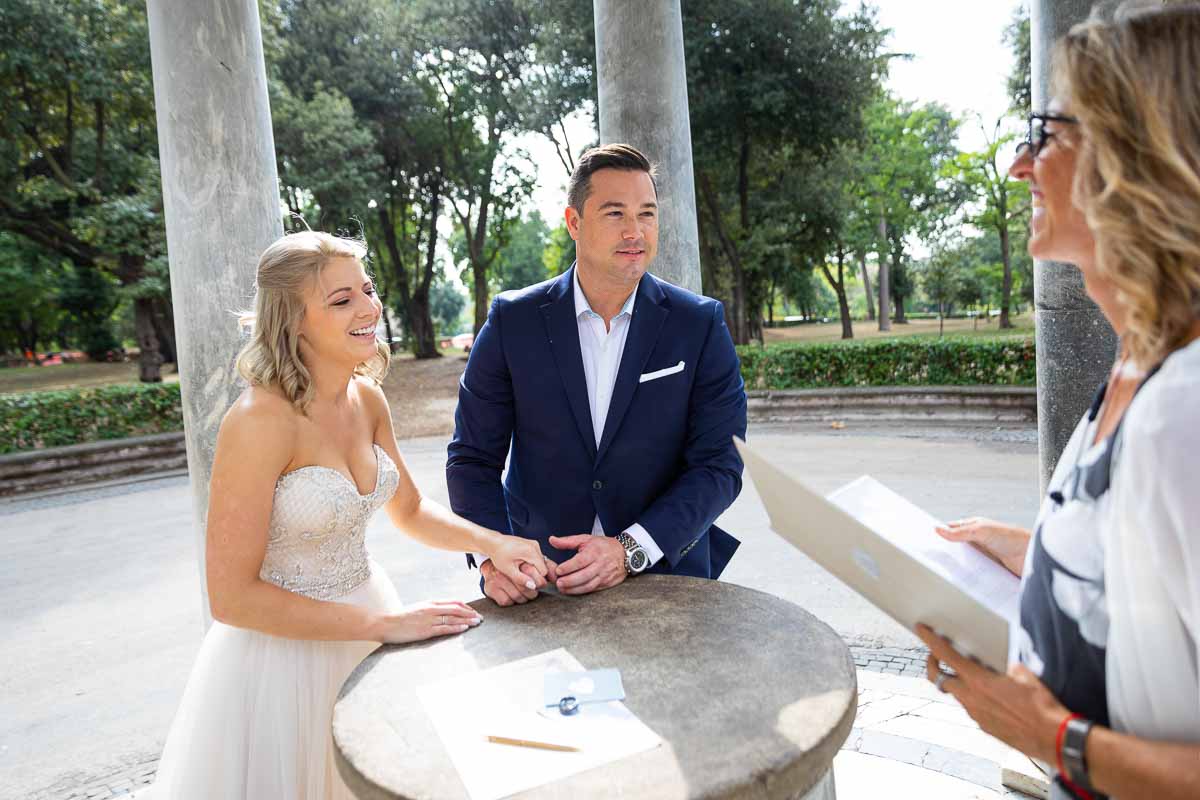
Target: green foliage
x=1020, y=87
x=559, y=253
x=52, y=419
x=904, y=361
x=79, y=172
x=447, y=303
x=773, y=85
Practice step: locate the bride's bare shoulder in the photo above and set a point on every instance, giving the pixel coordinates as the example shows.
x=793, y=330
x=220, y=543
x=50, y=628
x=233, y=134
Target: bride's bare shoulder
x=261, y=420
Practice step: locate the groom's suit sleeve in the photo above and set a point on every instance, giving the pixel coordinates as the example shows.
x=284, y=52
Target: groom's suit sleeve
x=483, y=425
x=710, y=478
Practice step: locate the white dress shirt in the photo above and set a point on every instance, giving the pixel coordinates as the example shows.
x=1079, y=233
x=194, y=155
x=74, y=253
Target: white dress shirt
x=601, y=349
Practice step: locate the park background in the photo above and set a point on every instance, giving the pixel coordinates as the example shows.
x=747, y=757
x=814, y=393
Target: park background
x=838, y=148
x=848, y=184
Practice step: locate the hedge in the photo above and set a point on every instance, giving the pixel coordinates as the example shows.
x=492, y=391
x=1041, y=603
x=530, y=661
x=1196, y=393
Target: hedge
x=890, y=362
x=49, y=419
x=33, y=420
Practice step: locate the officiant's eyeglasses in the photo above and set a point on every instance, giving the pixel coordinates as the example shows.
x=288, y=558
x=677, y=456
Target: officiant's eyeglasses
x=1036, y=137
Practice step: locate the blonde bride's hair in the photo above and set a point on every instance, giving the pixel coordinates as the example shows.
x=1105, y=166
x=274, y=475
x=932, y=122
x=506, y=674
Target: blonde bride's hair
x=285, y=271
x=1134, y=84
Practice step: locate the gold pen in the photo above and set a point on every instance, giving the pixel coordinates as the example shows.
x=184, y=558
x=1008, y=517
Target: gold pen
x=558, y=748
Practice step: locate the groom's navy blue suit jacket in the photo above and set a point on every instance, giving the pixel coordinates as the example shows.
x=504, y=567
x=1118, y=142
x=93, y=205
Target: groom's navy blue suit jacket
x=666, y=457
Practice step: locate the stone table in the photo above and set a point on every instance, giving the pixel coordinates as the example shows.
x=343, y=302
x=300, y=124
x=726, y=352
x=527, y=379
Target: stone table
x=752, y=695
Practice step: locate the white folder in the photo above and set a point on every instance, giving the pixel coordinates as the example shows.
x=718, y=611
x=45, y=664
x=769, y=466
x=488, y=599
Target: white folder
x=885, y=548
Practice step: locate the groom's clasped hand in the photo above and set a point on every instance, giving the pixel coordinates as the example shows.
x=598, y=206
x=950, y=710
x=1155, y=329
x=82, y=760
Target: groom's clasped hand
x=598, y=563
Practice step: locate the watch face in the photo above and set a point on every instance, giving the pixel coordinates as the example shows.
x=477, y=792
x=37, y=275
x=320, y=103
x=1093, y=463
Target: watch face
x=637, y=560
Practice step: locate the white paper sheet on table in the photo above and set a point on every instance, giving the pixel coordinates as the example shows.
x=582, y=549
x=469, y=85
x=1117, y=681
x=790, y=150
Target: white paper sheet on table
x=911, y=528
x=505, y=701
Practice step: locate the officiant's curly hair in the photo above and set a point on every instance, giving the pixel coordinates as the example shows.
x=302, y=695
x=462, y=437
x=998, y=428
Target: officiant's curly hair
x=285, y=271
x=1133, y=81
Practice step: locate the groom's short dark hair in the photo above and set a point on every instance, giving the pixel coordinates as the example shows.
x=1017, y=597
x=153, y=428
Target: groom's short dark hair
x=608, y=156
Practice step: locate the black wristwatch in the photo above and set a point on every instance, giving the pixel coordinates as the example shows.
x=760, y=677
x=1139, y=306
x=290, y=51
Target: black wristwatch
x=636, y=559
x=1074, y=752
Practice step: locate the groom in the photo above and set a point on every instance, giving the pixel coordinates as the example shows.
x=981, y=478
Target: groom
x=615, y=397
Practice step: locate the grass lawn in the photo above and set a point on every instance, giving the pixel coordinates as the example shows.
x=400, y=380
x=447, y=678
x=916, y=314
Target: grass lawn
x=832, y=331
x=71, y=376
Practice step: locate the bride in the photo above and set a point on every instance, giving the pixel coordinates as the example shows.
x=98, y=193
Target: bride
x=303, y=459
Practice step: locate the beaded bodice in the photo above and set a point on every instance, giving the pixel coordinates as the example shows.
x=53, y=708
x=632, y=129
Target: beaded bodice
x=316, y=545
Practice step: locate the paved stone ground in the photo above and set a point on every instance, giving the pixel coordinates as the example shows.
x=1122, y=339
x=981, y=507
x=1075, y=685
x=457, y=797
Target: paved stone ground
x=101, y=595
x=906, y=734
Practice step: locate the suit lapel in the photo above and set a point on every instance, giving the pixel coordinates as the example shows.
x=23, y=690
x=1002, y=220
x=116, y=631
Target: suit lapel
x=563, y=330
x=649, y=313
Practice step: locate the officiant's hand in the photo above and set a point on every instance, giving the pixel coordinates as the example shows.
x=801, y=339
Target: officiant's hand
x=1016, y=708
x=598, y=563
x=1006, y=544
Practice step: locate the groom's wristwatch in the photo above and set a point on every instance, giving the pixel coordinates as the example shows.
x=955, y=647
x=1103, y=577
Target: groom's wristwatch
x=636, y=559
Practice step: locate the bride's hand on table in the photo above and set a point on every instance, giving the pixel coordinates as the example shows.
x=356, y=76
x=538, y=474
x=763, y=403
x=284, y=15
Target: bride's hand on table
x=521, y=562
x=427, y=620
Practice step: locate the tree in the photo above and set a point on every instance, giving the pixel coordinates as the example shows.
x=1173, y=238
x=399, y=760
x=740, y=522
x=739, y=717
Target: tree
x=1020, y=86
x=28, y=315
x=1004, y=202
x=448, y=303
x=907, y=147
x=941, y=277
x=766, y=77
x=559, y=252
x=79, y=174
x=385, y=173
x=480, y=58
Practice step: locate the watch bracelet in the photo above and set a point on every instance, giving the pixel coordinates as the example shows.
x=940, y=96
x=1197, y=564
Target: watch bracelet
x=1074, y=752
x=630, y=544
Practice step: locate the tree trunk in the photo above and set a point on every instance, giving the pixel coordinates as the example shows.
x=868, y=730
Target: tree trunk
x=894, y=275
x=839, y=288
x=387, y=328
x=164, y=328
x=885, y=296
x=866, y=279
x=424, y=343
x=150, y=360
x=131, y=268
x=739, y=328
x=941, y=320
x=1006, y=258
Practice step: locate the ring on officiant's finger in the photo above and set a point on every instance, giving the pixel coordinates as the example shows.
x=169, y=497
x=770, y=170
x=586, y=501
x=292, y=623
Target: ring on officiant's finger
x=939, y=682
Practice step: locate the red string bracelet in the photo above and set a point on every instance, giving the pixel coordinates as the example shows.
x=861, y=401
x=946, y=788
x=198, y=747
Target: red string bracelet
x=1058, y=743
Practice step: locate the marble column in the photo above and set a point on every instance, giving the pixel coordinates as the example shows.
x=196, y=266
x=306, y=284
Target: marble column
x=221, y=200
x=1075, y=344
x=643, y=102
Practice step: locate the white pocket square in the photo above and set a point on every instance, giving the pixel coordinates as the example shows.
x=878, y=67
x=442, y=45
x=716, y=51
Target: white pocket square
x=660, y=373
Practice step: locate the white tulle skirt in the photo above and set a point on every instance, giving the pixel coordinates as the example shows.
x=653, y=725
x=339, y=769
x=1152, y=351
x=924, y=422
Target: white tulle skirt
x=254, y=719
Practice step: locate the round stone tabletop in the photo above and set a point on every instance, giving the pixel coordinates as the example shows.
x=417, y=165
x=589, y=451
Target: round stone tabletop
x=752, y=695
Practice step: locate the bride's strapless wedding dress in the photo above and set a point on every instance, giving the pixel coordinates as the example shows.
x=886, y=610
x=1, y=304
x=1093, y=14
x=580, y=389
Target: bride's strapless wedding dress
x=254, y=719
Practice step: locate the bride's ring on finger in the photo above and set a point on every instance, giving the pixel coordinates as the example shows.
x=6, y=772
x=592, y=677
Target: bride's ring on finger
x=443, y=619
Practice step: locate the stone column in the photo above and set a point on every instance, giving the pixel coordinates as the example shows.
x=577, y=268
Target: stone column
x=643, y=102
x=221, y=199
x=1075, y=344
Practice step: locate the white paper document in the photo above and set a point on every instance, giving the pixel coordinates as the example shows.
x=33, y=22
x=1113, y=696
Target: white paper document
x=886, y=549
x=507, y=701
x=912, y=530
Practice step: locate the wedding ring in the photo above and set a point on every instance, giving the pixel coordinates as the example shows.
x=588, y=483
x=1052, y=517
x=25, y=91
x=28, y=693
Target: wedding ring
x=443, y=618
x=940, y=680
